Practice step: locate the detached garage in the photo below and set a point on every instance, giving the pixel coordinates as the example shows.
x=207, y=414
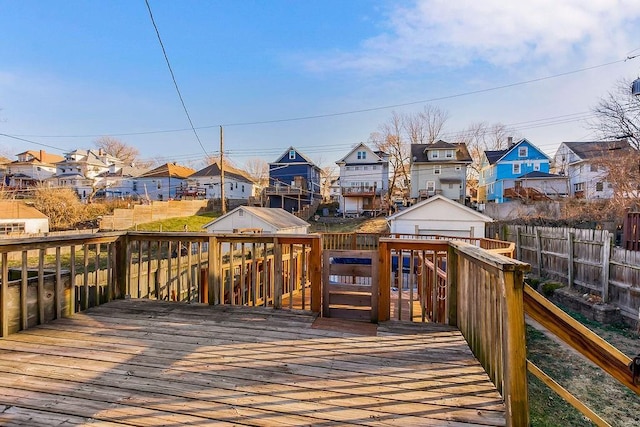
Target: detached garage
x=439, y=215
x=19, y=218
x=251, y=219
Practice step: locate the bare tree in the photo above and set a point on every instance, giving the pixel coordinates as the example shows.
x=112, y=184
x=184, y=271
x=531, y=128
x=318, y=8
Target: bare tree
x=621, y=172
x=618, y=115
x=258, y=170
x=117, y=148
x=328, y=174
x=480, y=137
x=390, y=139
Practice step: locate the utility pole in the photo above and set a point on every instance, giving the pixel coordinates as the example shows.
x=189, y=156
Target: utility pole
x=223, y=205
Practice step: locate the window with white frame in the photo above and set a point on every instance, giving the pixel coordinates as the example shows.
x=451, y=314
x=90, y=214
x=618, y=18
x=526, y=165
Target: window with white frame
x=459, y=168
x=437, y=169
x=523, y=151
x=599, y=186
x=536, y=166
x=431, y=186
x=292, y=154
x=362, y=155
x=448, y=154
x=435, y=154
x=578, y=186
x=516, y=168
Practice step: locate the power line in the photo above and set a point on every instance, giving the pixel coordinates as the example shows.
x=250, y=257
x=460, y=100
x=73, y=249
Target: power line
x=173, y=77
x=32, y=142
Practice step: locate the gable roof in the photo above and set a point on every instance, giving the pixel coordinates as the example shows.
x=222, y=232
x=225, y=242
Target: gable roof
x=419, y=152
x=214, y=170
x=441, y=199
x=12, y=209
x=540, y=175
x=285, y=156
x=595, y=149
x=379, y=154
x=277, y=217
x=41, y=157
x=169, y=170
x=494, y=156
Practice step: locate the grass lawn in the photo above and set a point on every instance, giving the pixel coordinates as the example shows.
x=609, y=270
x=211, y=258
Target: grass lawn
x=192, y=223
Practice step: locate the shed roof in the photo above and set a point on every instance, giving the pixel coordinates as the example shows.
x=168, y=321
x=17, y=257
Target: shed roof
x=171, y=170
x=11, y=209
x=277, y=217
x=441, y=199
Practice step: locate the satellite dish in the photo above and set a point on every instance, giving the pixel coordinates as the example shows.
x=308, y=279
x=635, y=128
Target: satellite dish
x=635, y=87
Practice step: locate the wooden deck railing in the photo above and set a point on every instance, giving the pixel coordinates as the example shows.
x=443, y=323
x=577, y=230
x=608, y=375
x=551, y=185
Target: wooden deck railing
x=479, y=291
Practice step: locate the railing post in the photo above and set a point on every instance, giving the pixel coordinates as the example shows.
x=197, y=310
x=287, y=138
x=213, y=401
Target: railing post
x=606, y=258
x=122, y=266
x=514, y=344
x=452, y=286
x=315, y=275
x=213, y=270
x=384, y=288
x=278, y=273
x=570, y=271
x=4, y=296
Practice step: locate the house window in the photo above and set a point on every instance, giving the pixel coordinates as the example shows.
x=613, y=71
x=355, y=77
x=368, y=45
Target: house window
x=349, y=168
x=12, y=227
x=362, y=155
x=536, y=166
x=159, y=185
x=431, y=186
x=599, y=186
x=437, y=169
x=578, y=187
x=594, y=168
x=491, y=188
x=516, y=168
x=523, y=152
x=459, y=168
x=240, y=212
x=435, y=154
x=134, y=186
x=231, y=186
x=243, y=188
x=448, y=154
x=292, y=154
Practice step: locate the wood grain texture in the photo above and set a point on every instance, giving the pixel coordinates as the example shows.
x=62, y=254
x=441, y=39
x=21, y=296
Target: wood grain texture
x=152, y=363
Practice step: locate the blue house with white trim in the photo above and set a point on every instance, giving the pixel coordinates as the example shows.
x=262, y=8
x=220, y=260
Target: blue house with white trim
x=294, y=182
x=502, y=172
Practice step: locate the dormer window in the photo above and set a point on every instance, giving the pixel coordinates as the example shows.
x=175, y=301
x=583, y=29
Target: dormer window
x=362, y=155
x=292, y=154
x=523, y=152
x=449, y=154
x=435, y=154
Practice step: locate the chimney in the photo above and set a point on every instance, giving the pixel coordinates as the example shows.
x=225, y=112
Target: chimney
x=41, y=156
x=510, y=141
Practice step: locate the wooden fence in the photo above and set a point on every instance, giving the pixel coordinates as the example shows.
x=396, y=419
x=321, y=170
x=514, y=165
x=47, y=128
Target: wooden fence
x=583, y=259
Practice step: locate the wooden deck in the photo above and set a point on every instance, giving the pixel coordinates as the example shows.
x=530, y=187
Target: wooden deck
x=151, y=363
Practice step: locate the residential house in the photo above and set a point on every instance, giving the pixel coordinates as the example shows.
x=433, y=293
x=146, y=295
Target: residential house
x=253, y=219
x=206, y=183
x=16, y=217
x=83, y=170
x=334, y=190
x=31, y=168
x=163, y=182
x=504, y=173
x=294, y=182
x=364, y=180
x=439, y=216
x=582, y=162
x=439, y=168
x=120, y=183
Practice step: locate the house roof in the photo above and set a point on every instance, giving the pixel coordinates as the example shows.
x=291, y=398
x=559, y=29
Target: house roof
x=595, y=149
x=169, y=170
x=441, y=199
x=42, y=157
x=362, y=144
x=419, y=152
x=277, y=217
x=285, y=155
x=494, y=156
x=11, y=209
x=540, y=175
x=214, y=170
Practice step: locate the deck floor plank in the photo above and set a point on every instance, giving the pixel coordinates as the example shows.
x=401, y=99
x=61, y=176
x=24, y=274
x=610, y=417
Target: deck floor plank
x=137, y=362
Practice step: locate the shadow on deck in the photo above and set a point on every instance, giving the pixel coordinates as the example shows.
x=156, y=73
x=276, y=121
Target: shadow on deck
x=142, y=362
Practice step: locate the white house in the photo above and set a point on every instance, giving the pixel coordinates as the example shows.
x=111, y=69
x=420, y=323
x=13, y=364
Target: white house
x=582, y=163
x=439, y=215
x=254, y=219
x=206, y=182
x=82, y=170
x=31, y=168
x=364, y=180
x=19, y=218
x=163, y=182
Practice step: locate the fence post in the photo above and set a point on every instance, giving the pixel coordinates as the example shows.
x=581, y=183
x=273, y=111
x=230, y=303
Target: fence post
x=570, y=272
x=278, y=273
x=4, y=295
x=539, y=250
x=606, y=258
x=518, y=243
x=515, y=354
x=213, y=270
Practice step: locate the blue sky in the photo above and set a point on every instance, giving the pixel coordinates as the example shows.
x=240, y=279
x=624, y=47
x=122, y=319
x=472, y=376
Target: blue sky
x=71, y=71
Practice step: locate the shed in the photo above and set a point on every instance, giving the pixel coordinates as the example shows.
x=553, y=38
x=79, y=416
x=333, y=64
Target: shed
x=20, y=218
x=439, y=215
x=256, y=219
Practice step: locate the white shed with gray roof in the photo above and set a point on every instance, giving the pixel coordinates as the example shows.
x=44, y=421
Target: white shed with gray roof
x=258, y=220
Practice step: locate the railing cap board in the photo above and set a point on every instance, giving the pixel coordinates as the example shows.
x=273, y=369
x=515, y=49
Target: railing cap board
x=30, y=243
x=492, y=259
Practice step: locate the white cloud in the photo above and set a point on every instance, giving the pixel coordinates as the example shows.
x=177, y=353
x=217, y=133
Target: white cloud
x=451, y=33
